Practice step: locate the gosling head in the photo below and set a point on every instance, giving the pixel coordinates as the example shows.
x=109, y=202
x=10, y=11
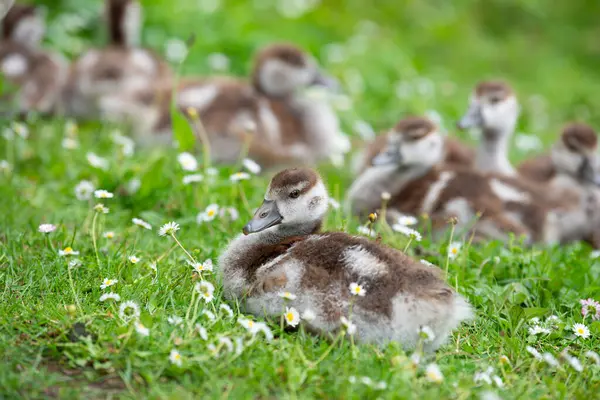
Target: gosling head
x=295, y=198
x=413, y=142
x=493, y=108
x=575, y=153
x=281, y=69
x=23, y=24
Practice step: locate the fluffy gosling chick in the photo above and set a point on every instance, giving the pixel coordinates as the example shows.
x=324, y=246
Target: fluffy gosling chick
x=281, y=251
x=38, y=75
x=493, y=109
x=411, y=170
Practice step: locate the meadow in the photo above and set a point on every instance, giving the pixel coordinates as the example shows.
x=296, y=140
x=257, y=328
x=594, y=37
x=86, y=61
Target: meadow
x=95, y=303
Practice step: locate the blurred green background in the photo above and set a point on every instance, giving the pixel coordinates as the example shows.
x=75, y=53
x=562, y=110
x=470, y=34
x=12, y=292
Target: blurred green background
x=393, y=57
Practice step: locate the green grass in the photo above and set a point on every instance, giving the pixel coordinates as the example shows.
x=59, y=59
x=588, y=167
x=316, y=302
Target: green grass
x=440, y=47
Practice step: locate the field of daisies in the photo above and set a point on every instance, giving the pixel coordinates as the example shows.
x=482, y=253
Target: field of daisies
x=108, y=283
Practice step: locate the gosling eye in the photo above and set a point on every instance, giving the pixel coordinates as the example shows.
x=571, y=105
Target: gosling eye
x=495, y=99
x=294, y=194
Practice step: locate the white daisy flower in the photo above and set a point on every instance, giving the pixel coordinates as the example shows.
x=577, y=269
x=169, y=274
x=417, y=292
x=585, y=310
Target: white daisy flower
x=262, y=327
x=129, y=310
x=206, y=290
x=498, y=381
x=21, y=130
x=108, y=235
x=593, y=356
x=103, y=194
x=349, y=325
x=187, y=161
x=110, y=296
x=68, y=251
x=364, y=230
x=537, y=329
x=46, y=228
x=248, y=324
x=433, y=373
x=74, y=263
x=427, y=263
x=212, y=171
x=405, y=230
x=202, y=332
x=69, y=143
x=454, y=250
x=100, y=208
x=427, y=334
x=142, y=223
x=594, y=254
x=227, y=309
x=141, y=329
x=218, y=62
x=153, y=266
x=84, y=190
x=239, y=176
x=133, y=185
x=550, y=359
x=210, y=315
x=357, y=290
x=536, y=354
x=209, y=214
x=573, y=361
x=308, y=315
x=482, y=377
x=292, y=317
x=168, y=229
x=581, y=331
x=252, y=166
x=504, y=360
x=193, y=178
x=334, y=203
x=175, y=358
x=226, y=342
x=206, y=266
x=134, y=259
x=287, y=295
x=175, y=50
x=175, y=320
x=406, y=220
x=234, y=214
x=108, y=283
x=386, y=196
x=239, y=345
x=5, y=166
x=415, y=359
x=96, y=161
x=126, y=144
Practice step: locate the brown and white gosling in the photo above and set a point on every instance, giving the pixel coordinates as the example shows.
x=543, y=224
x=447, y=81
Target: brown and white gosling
x=102, y=76
x=282, y=250
x=455, y=152
x=274, y=115
x=38, y=75
x=573, y=177
x=493, y=109
x=410, y=169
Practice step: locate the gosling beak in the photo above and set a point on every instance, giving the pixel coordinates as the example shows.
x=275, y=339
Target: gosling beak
x=387, y=158
x=471, y=119
x=329, y=82
x=265, y=217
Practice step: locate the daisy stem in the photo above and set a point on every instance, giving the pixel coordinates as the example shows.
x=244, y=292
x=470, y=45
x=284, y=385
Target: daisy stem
x=324, y=355
x=94, y=238
x=73, y=287
x=408, y=243
x=447, y=252
x=183, y=248
x=187, y=314
x=50, y=244
x=244, y=198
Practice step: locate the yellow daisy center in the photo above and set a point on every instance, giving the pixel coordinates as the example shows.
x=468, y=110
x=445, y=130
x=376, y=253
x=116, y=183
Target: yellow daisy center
x=177, y=356
x=289, y=316
x=250, y=324
x=454, y=250
x=580, y=330
x=68, y=250
x=210, y=213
